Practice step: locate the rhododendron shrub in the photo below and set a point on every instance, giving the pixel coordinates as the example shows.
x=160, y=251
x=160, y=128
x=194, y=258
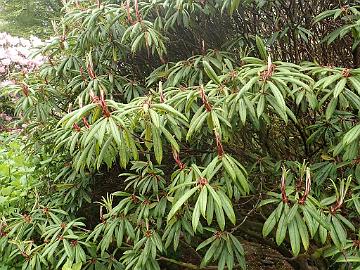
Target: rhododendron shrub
x=172, y=133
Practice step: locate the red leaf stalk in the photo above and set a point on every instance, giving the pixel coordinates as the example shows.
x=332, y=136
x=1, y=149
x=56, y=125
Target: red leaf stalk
x=86, y=123
x=284, y=197
x=162, y=97
x=103, y=105
x=128, y=12
x=178, y=160
x=82, y=74
x=266, y=74
x=76, y=127
x=220, y=148
x=91, y=71
x=204, y=99
x=138, y=17
x=25, y=89
x=307, y=187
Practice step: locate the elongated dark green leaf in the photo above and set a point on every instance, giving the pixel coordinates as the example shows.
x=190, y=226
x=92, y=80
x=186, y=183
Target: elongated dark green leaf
x=294, y=236
x=261, y=47
x=331, y=108
x=339, y=231
x=304, y=235
x=352, y=135
x=220, y=218
x=203, y=201
x=157, y=144
x=181, y=201
x=196, y=215
x=210, y=72
x=269, y=224
x=281, y=230
x=206, y=242
x=339, y=87
x=292, y=213
x=317, y=216
x=278, y=96
x=227, y=206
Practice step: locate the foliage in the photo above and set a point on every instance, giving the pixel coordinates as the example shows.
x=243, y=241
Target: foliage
x=128, y=87
x=16, y=175
x=26, y=18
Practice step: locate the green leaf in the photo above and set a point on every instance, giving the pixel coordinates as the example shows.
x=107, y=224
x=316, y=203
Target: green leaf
x=237, y=244
x=352, y=135
x=229, y=167
x=331, y=108
x=281, y=230
x=317, y=216
x=303, y=231
x=115, y=132
x=357, y=204
x=346, y=222
x=179, y=203
x=261, y=48
x=196, y=215
x=356, y=84
x=309, y=221
x=210, y=210
x=76, y=266
x=323, y=233
x=169, y=109
x=234, y=5
x=154, y=118
x=157, y=144
x=210, y=72
x=214, y=195
x=278, y=96
x=220, y=218
x=247, y=86
x=269, y=224
x=242, y=111
x=339, y=87
x=206, y=242
x=349, y=259
x=210, y=252
x=170, y=139
x=292, y=213
x=294, y=237
x=260, y=106
x=203, y=197
x=227, y=206
x=339, y=230
x=268, y=201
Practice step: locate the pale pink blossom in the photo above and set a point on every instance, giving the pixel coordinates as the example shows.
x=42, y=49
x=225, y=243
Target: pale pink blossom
x=7, y=82
x=15, y=53
x=6, y=62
